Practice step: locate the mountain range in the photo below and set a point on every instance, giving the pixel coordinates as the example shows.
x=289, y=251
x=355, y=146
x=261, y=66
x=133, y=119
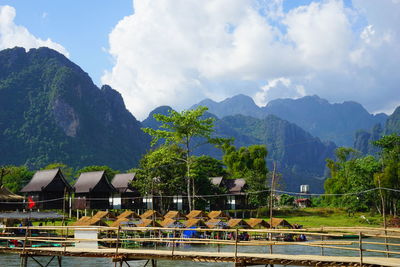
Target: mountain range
x=51, y=111
x=330, y=122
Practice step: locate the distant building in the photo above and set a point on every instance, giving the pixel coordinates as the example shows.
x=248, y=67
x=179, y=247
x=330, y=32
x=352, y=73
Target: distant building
x=236, y=199
x=47, y=189
x=304, y=189
x=303, y=202
x=93, y=191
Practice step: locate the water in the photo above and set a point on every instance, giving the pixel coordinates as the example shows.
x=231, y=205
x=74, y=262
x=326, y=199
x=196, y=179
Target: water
x=12, y=260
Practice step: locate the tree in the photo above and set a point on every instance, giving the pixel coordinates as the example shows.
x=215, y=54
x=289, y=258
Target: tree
x=15, y=177
x=389, y=175
x=159, y=173
x=181, y=128
x=351, y=175
x=248, y=163
x=286, y=200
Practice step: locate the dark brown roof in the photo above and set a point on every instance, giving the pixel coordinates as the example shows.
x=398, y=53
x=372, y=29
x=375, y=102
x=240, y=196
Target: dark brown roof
x=88, y=181
x=7, y=195
x=42, y=179
x=235, y=186
x=122, y=182
x=216, y=180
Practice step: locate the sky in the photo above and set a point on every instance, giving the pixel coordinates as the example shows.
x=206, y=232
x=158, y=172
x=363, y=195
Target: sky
x=178, y=52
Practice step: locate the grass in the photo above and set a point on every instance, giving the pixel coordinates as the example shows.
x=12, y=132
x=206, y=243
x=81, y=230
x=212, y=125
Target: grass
x=317, y=217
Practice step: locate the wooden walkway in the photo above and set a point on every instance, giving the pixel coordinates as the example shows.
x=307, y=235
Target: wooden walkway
x=241, y=259
x=118, y=239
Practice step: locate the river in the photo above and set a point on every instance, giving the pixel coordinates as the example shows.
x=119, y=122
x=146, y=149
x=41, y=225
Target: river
x=13, y=260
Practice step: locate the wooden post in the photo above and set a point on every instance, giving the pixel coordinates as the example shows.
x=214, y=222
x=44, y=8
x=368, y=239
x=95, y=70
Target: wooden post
x=26, y=239
x=59, y=259
x=24, y=261
x=271, y=204
x=384, y=216
x=153, y=263
x=236, y=244
x=117, y=245
x=361, y=249
x=322, y=244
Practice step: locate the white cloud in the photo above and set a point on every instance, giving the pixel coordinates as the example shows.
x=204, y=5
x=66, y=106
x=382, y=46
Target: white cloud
x=178, y=52
x=12, y=35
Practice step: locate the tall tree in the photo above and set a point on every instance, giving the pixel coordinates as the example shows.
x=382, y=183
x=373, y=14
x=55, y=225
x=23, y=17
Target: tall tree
x=249, y=163
x=159, y=174
x=181, y=128
x=15, y=177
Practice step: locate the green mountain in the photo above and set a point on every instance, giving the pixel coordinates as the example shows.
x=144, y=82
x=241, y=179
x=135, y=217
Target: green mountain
x=331, y=122
x=364, y=138
x=300, y=157
x=50, y=111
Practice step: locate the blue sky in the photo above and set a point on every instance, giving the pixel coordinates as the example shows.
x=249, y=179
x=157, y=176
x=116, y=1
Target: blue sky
x=82, y=27
x=178, y=52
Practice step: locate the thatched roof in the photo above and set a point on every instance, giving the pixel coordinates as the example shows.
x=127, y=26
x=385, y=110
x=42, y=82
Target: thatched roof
x=197, y=214
x=118, y=222
x=81, y=220
x=171, y=223
x=152, y=214
x=93, y=181
x=89, y=222
x=278, y=222
x=45, y=179
x=122, y=182
x=104, y=215
x=194, y=223
x=128, y=214
x=148, y=223
x=237, y=223
x=257, y=223
x=7, y=195
x=216, y=224
x=218, y=214
x=173, y=214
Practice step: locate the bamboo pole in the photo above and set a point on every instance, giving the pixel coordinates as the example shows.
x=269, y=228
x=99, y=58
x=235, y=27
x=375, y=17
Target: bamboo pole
x=361, y=249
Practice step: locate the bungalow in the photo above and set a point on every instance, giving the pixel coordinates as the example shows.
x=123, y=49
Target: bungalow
x=127, y=197
x=236, y=198
x=93, y=191
x=47, y=189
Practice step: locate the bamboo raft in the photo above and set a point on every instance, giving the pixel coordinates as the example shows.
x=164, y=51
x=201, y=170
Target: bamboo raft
x=116, y=238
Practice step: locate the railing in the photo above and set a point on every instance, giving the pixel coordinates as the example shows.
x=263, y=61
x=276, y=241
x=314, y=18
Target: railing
x=137, y=237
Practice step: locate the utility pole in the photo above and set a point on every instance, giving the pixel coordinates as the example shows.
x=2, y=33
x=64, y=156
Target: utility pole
x=271, y=203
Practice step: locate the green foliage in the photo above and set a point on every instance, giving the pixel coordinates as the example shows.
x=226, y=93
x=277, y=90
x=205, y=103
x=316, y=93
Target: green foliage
x=160, y=173
x=286, y=200
x=15, y=177
x=180, y=128
x=352, y=174
x=110, y=173
x=248, y=163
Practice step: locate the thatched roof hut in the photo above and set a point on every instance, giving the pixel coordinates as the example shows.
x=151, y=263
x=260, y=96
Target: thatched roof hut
x=148, y=223
x=199, y=223
x=197, y=214
x=216, y=224
x=238, y=223
x=104, y=215
x=152, y=214
x=218, y=214
x=129, y=215
x=171, y=223
x=9, y=200
x=256, y=223
x=87, y=221
x=174, y=214
x=280, y=223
